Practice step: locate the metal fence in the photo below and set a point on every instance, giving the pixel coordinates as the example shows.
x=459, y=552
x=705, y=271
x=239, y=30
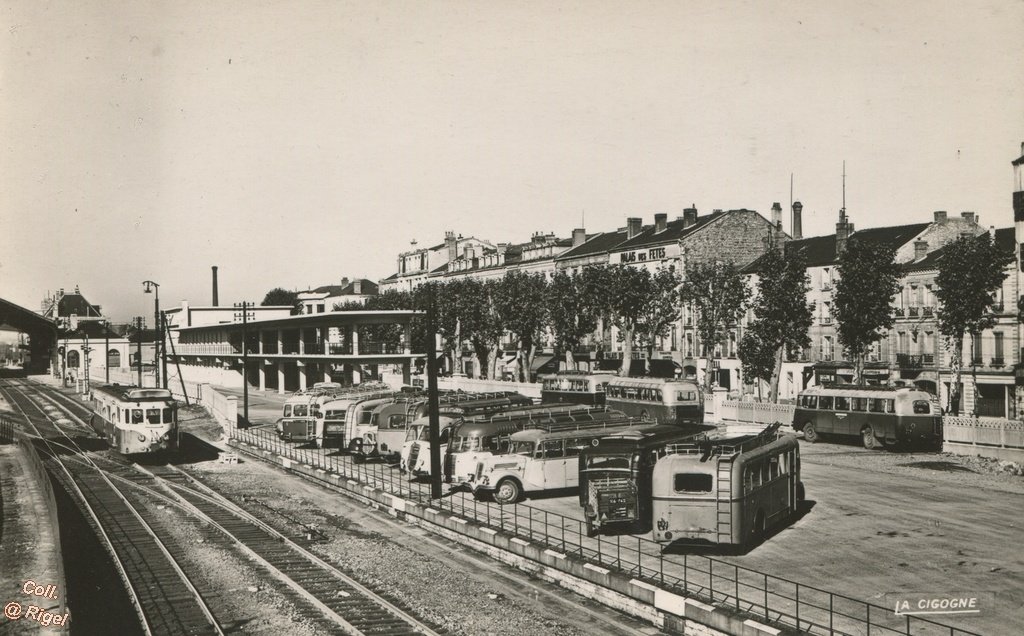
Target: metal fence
x=6, y=430
x=772, y=598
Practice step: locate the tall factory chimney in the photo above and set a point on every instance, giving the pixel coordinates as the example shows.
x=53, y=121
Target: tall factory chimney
x=797, y=223
x=215, y=286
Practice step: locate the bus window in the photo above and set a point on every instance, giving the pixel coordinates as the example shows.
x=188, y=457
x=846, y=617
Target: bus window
x=921, y=407
x=890, y=406
x=608, y=462
x=299, y=410
x=127, y=414
x=443, y=436
x=152, y=416
x=287, y=410
x=521, y=448
x=657, y=395
x=136, y=416
x=396, y=421
x=551, y=449
x=773, y=467
x=858, y=404
x=574, y=446
x=693, y=482
x=811, y=401
x=825, y=402
x=748, y=478
x=842, y=403
x=755, y=474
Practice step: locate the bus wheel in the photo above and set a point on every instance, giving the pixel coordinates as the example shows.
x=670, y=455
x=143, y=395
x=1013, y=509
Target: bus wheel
x=810, y=434
x=508, y=491
x=800, y=492
x=870, y=441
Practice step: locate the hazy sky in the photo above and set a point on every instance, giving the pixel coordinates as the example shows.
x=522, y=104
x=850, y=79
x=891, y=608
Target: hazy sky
x=294, y=143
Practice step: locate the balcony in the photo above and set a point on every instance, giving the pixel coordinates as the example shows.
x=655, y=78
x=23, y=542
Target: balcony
x=899, y=312
x=998, y=362
x=826, y=320
x=927, y=312
x=912, y=312
x=977, y=361
x=915, y=361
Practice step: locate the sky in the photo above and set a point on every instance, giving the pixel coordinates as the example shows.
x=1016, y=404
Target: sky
x=295, y=143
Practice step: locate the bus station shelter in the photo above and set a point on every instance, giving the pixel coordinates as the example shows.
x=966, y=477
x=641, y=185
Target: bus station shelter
x=293, y=352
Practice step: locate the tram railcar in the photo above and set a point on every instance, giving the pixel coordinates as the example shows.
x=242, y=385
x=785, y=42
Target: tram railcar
x=134, y=420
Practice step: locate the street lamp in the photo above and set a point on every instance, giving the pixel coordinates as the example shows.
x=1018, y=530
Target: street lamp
x=150, y=287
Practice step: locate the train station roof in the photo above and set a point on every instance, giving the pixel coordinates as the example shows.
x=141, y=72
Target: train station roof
x=325, y=319
x=26, y=320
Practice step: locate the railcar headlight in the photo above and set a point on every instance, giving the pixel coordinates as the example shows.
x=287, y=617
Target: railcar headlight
x=142, y=437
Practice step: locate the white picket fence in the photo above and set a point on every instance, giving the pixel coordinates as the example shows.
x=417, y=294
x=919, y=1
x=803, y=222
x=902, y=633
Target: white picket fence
x=986, y=436
x=718, y=408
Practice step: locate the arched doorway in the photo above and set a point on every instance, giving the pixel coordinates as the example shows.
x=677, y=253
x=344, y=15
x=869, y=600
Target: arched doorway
x=73, y=359
x=114, y=359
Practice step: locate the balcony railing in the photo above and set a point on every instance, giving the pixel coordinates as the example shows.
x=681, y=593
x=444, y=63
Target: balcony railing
x=899, y=312
x=915, y=361
x=998, y=362
x=207, y=349
x=912, y=312
x=978, y=361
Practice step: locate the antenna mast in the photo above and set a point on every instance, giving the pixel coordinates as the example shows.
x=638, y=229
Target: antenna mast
x=844, y=186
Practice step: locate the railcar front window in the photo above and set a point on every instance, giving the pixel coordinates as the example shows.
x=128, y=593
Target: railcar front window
x=300, y=410
x=921, y=407
x=287, y=410
x=136, y=416
x=152, y=416
x=168, y=416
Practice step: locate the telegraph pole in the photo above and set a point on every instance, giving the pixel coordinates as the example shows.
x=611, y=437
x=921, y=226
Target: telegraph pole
x=150, y=286
x=139, y=322
x=244, y=306
x=436, y=469
x=106, y=347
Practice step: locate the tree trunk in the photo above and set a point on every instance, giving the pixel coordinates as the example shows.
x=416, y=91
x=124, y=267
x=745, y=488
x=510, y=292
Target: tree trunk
x=955, y=367
x=570, y=360
x=858, y=369
x=531, y=353
x=627, y=352
x=773, y=388
x=650, y=356
x=974, y=379
x=482, y=356
x=495, y=354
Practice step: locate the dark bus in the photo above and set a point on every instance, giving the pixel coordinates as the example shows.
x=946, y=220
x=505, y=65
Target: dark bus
x=879, y=416
x=575, y=387
x=661, y=399
x=615, y=476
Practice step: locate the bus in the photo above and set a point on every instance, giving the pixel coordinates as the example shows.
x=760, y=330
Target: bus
x=478, y=437
x=662, y=399
x=879, y=416
x=540, y=459
x=615, y=476
x=575, y=387
x=726, y=491
x=331, y=412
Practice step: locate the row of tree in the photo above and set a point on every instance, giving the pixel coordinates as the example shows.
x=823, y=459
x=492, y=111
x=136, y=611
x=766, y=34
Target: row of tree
x=643, y=305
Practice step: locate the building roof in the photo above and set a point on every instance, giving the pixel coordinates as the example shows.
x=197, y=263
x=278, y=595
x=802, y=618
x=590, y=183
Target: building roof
x=1005, y=239
x=74, y=304
x=368, y=288
x=596, y=244
x=673, y=231
x=821, y=250
x=94, y=329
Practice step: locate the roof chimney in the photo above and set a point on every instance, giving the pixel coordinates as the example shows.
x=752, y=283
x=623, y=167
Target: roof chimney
x=797, y=223
x=344, y=281
x=920, y=249
x=776, y=215
x=842, y=232
x=579, y=236
x=660, y=222
x=633, y=226
x=216, y=302
x=689, y=217
x=940, y=216
x=452, y=244
x=969, y=217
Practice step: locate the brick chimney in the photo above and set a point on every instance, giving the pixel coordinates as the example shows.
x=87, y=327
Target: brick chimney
x=579, y=236
x=843, y=230
x=797, y=223
x=452, y=244
x=633, y=226
x=689, y=217
x=344, y=281
x=776, y=215
x=969, y=217
x=920, y=249
x=660, y=222
x=940, y=216
x=215, y=298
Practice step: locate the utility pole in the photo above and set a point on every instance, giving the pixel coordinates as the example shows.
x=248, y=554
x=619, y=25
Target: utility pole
x=244, y=307
x=139, y=322
x=85, y=351
x=106, y=347
x=164, y=337
x=150, y=286
x=436, y=469
x=177, y=363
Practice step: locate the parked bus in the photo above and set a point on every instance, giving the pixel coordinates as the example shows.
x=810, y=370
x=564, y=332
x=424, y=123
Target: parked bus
x=878, y=415
x=726, y=491
x=302, y=409
x=615, y=476
x=331, y=412
x=540, y=459
x=662, y=399
x=478, y=437
x=575, y=387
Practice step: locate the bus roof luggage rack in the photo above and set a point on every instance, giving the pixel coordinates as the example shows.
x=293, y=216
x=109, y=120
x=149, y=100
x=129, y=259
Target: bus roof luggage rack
x=555, y=426
x=540, y=411
x=726, y=447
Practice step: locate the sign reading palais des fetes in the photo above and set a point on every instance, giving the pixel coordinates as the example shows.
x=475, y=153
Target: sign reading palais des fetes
x=650, y=254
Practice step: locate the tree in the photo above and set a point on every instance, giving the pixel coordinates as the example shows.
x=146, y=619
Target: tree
x=478, y=319
x=971, y=270
x=782, y=317
x=629, y=291
x=519, y=302
x=718, y=295
x=660, y=311
x=281, y=296
x=387, y=334
x=574, y=310
x=868, y=282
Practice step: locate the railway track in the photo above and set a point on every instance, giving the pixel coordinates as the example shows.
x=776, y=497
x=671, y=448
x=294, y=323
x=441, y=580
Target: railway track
x=311, y=581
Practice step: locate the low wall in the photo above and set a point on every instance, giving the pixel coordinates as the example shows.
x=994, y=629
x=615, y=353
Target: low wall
x=529, y=389
x=984, y=436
